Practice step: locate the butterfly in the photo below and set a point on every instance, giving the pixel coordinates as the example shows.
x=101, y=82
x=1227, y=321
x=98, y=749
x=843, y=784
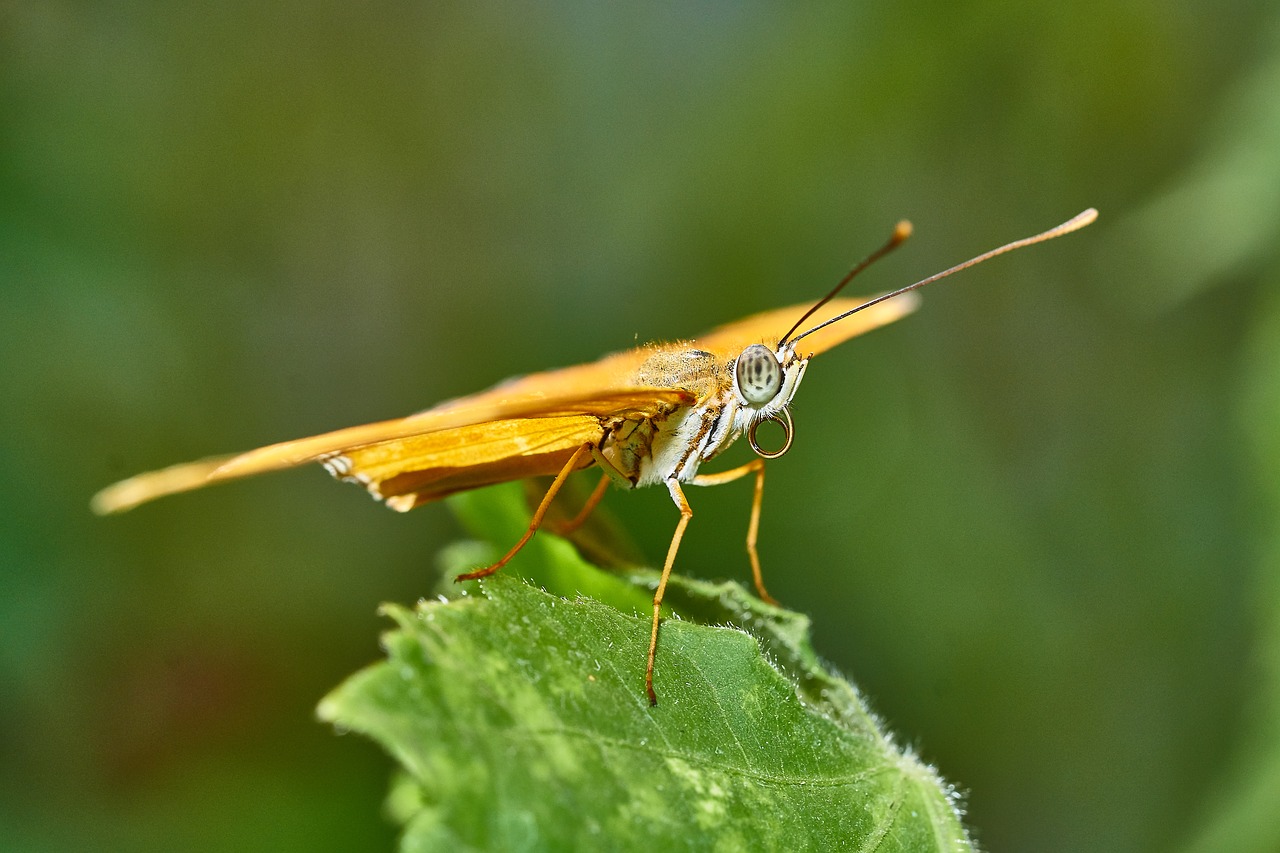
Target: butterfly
x=647, y=416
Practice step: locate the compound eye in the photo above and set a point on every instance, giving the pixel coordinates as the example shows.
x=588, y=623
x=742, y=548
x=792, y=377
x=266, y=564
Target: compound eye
x=758, y=374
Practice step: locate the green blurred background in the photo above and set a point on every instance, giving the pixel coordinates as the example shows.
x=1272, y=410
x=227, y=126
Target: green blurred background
x=1035, y=522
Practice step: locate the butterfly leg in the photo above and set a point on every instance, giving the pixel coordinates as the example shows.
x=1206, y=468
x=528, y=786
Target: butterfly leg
x=536, y=521
x=755, y=466
x=677, y=495
x=592, y=502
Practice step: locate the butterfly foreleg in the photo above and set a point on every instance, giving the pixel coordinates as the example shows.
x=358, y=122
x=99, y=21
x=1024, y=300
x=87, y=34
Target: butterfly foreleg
x=677, y=495
x=755, y=466
x=536, y=521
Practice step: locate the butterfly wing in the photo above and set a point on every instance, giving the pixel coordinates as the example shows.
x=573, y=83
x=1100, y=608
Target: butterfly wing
x=407, y=472
x=523, y=426
x=767, y=327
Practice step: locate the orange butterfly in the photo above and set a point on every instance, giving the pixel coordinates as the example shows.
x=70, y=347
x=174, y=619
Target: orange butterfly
x=646, y=416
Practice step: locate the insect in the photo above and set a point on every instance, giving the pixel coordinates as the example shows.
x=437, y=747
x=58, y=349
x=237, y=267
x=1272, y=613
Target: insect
x=648, y=416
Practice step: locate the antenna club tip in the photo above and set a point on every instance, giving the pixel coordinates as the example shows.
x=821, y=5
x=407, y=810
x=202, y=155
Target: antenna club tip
x=902, y=230
x=1080, y=220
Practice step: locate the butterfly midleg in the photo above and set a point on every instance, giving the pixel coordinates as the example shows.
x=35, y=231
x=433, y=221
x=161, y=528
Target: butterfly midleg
x=592, y=502
x=677, y=495
x=536, y=521
x=755, y=466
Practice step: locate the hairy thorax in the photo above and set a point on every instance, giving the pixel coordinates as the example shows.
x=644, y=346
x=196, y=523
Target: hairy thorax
x=673, y=445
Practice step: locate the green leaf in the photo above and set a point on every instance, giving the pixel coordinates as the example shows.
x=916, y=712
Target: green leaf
x=520, y=720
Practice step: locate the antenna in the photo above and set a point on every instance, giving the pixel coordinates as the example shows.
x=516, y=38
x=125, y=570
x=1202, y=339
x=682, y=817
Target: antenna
x=1075, y=223
x=901, y=232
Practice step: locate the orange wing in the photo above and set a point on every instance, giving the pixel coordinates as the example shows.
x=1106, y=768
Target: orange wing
x=520, y=428
x=729, y=340
x=452, y=427
x=407, y=472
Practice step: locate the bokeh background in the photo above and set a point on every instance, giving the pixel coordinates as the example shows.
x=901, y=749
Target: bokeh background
x=1035, y=522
